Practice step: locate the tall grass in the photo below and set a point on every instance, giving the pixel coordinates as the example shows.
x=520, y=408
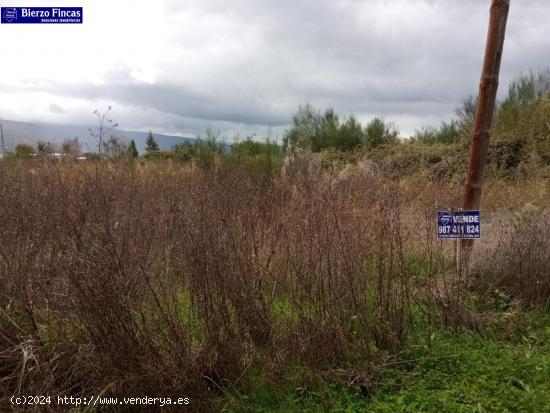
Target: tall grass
x=175, y=279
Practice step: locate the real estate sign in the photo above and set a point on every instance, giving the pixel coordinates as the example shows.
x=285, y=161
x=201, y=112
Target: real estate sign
x=458, y=225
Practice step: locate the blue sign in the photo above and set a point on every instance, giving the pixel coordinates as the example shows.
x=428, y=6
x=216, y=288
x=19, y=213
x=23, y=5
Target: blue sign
x=458, y=225
x=41, y=15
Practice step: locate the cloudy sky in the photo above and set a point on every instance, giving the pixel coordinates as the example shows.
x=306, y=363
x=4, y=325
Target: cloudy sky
x=179, y=67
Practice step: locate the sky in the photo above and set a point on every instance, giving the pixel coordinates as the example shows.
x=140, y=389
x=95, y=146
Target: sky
x=245, y=66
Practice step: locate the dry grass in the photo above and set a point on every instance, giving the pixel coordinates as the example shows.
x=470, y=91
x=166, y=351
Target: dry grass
x=517, y=265
x=161, y=279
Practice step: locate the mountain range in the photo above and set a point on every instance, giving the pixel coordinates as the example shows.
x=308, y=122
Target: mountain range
x=30, y=133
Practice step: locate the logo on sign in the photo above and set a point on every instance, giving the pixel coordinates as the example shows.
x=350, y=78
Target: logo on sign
x=42, y=15
x=446, y=219
x=9, y=15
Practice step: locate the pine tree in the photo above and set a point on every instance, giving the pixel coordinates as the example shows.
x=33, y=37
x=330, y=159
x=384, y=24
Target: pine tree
x=132, y=150
x=150, y=144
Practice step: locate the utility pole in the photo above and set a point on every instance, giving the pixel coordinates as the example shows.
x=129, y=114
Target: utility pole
x=484, y=115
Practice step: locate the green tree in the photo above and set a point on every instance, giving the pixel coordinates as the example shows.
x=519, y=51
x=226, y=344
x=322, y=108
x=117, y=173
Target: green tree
x=379, y=133
x=541, y=129
x=350, y=134
x=151, y=144
x=305, y=126
x=527, y=89
x=466, y=113
x=326, y=135
x=318, y=131
x=447, y=132
x=132, y=150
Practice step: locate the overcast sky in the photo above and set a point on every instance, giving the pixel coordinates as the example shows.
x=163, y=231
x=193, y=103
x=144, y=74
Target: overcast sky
x=179, y=67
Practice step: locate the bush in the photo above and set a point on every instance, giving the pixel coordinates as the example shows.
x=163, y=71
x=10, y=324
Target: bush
x=519, y=264
x=157, y=155
x=409, y=157
x=505, y=154
x=174, y=280
x=23, y=151
x=447, y=132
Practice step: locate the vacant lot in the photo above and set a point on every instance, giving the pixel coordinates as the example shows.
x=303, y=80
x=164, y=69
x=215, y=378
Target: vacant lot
x=303, y=288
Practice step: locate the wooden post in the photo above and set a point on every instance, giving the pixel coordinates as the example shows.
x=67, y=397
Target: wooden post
x=484, y=114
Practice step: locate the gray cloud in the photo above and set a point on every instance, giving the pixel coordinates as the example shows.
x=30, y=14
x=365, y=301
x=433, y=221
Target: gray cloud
x=56, y=108
x=245, y=64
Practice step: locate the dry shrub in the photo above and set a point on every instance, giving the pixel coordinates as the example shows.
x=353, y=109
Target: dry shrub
x=167, y=280
x=85, y=269
x=346, y=256
x=518, y=265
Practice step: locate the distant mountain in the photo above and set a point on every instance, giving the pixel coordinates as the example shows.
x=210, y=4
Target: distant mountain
x=30, y=133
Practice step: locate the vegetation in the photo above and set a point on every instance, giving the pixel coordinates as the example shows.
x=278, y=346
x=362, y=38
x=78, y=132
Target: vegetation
x=301, y=277
x=451, y=373
x=71, y=147
x=132, y=150
x=447, y=133
x=45, y=148
x=105, y=126
x=151, y=144
x=316, y=132
x=171, y=279
x=23, y=151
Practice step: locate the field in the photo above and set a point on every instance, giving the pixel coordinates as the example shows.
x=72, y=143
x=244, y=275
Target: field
x=296, y=283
